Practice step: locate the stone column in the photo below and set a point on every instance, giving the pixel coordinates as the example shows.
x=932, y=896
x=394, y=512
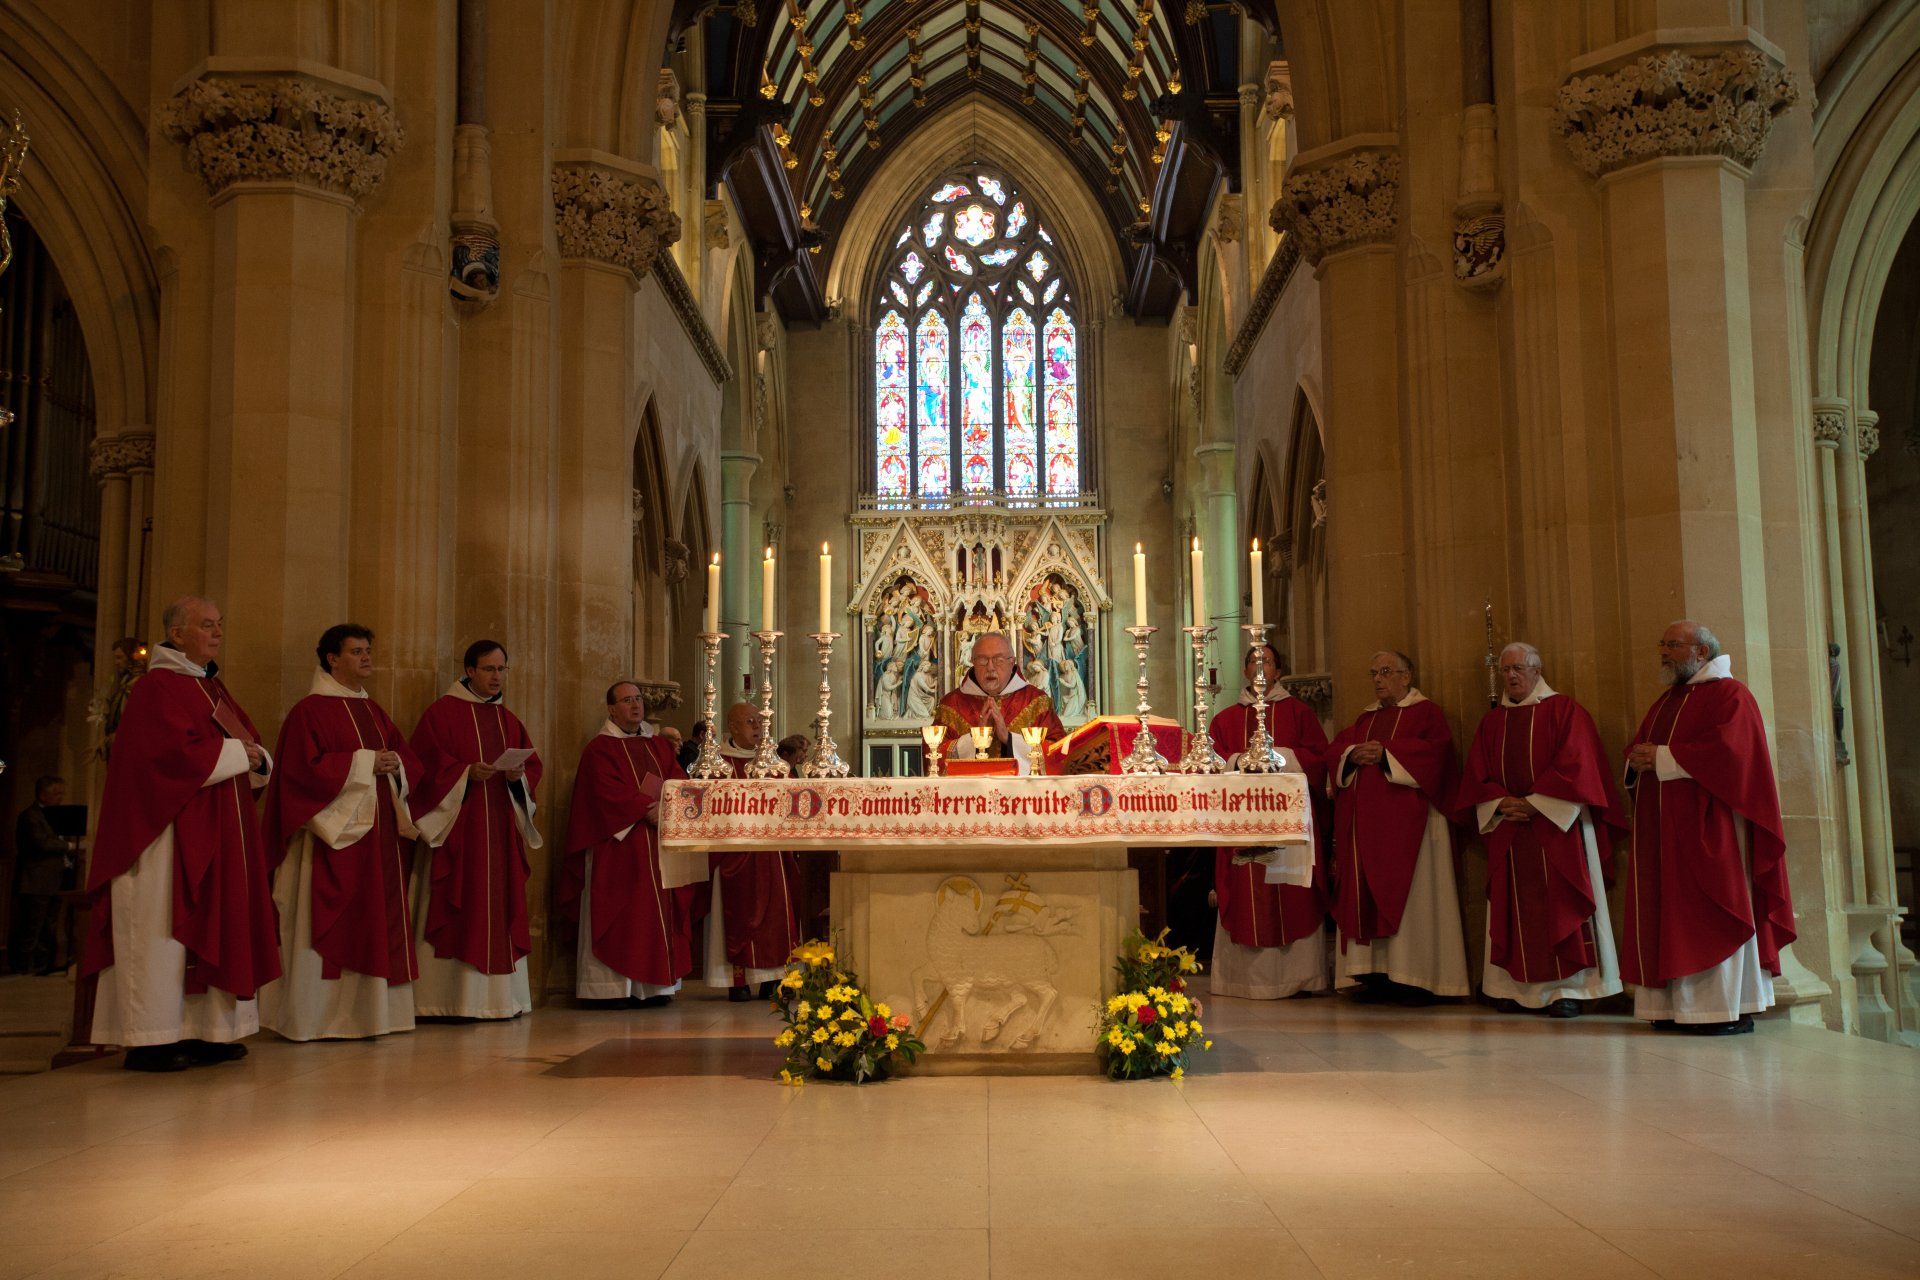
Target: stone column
x=1341, y=202
x=740, y=551
x=1217, y=517
x=286, y=159
x=611, y=221
x=1671, y=133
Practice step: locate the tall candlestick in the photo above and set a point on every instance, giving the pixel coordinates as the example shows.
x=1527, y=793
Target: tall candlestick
x=1139, y=586
x=1259, y=600
x=713, y=593
x=766, y=592
x=1198, y=559
x=826, y=589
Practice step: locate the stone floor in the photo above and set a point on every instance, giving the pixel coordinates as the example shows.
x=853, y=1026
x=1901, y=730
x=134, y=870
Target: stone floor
x=1320, y=1140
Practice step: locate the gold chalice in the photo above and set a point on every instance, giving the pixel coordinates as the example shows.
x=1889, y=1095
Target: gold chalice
x=933, y=735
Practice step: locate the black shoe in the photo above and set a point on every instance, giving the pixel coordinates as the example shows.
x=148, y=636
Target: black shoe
x=1564, y=1009
x=767, y=990
x=656, y=1002
x=202, y=1053
x=738, y=995
x=157, y=1057
x=1738, y=1027
x=1372, y=990
x=1666, y=1024
x=1413, y=997
x=1508, y=1006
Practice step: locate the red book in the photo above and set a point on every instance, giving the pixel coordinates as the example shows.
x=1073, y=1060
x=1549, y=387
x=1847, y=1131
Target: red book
x=230, y=724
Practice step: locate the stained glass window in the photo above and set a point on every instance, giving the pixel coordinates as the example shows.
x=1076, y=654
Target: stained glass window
x=893, y=472
x=932, y=418
x=976, y=386
x=1021, y=435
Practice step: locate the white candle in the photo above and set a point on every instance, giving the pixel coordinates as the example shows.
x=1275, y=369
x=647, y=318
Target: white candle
x=713, y=595
x=766, y=592
x=1199, y=563
x=826, y=589
x=1259, y=601
x=1139, y=586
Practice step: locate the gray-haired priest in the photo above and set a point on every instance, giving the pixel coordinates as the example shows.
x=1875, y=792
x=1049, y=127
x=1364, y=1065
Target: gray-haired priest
x=1395, y=898
x=1538, y=787
x=1707, y=903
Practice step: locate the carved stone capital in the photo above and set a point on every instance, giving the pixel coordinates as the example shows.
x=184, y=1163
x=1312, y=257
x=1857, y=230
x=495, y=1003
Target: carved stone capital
x=1866, y=433
x=1829, y=424
x=110, y=456
x=604, y=215
x=287, y=128
x=714, y=221
x=1229, y=221
x=1675, y=102
x=1251, y=96
x=661, y=695
x=1349, y=200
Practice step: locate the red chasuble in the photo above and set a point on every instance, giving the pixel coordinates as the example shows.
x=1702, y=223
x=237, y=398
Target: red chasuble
x=1690, y=903
x=223, y=914
x=1378, y=824
x=1540, y=894
x=361, y=919
x=477, y=904
x=758, y=900
x=1253, y=912
x=641, y=930
x=966, y=708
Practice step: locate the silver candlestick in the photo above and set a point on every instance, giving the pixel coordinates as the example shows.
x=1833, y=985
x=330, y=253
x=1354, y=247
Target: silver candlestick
x=823, y=757
x=1145, y=756
x=1261, y=756
x=710, y=763
x=766, y=761
x=1200, y=755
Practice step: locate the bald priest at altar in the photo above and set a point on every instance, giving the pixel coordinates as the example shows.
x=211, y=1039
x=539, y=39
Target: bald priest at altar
x=994, y=696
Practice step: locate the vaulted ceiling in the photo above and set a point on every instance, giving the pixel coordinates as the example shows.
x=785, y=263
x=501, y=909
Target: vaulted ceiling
x=804, y=99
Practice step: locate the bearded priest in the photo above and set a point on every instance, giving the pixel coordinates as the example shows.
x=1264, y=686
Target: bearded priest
x=635, y=934
x=754, y=922
x=340, y=833
x=1537, y=786
x=181, y=931
x=1707, y=902
x=994, y=695
x=1270, y=942
x=474, y=808
x=1396, y=898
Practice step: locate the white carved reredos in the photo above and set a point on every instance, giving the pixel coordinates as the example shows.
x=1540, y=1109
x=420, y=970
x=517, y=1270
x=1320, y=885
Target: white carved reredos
x=1673, y=102
x=287, y=128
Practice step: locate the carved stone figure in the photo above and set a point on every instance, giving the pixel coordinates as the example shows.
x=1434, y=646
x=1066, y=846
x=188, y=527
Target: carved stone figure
x=1004, y=962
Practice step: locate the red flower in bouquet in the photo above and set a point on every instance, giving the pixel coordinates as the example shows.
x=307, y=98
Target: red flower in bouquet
x=1145, y=1015
x=1176, y=985
x=876, y=1026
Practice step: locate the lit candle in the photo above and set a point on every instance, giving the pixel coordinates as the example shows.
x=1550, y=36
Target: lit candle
x=766, y=592
x=1139, y=586
x=1199, y=562
x=826, y=589
x=713, y=595
x=1259, y=601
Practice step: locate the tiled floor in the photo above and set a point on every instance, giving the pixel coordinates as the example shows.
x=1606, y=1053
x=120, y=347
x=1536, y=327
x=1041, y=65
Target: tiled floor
x=1320, y=1139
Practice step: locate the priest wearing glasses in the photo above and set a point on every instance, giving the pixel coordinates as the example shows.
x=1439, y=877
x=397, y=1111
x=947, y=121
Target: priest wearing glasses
x=994, y=696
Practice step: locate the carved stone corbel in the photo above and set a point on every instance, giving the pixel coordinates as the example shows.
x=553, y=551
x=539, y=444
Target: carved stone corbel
x=1342, y=202
x=282, y=128
x=603, y=213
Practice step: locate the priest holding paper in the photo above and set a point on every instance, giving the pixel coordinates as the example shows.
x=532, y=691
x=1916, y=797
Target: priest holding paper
x=754, y=922
x=1707, y=904
x=995, y=697
x=339, y=829
x=635, y=934
x=474, y=808
x=1538, y=787
x=181, y=931
x=1270, y=942
x=1396, y=898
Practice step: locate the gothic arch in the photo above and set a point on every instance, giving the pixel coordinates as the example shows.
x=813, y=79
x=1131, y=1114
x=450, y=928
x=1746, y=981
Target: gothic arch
x=608, y=58
x=1345, y=63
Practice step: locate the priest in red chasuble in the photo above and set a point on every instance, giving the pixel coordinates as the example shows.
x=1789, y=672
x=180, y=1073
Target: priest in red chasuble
x=1538, y=787
x=994, y=695
x=1706, y=900
x=1271, y=941
x=1396, y=899
x=340, y=832
x=476, y=825
x=754, y=921
x=181, y=930
x=636, y=936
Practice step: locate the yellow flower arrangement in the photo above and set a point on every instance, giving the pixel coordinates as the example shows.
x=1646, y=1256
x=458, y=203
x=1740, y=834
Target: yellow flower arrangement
x=1152, y=1023
x=833, y=1028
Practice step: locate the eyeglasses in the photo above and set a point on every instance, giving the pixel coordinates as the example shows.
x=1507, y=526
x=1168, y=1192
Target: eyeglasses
x=1515, y=668
x=993, y=659
x=1382, y=672
x=491, y=670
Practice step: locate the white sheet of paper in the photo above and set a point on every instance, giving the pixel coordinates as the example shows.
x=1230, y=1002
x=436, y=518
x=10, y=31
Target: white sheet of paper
x=513, y=758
